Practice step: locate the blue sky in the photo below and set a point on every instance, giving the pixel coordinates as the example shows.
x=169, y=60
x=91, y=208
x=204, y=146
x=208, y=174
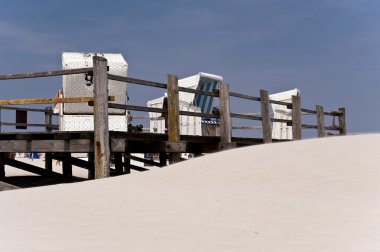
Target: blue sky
x=330, y=50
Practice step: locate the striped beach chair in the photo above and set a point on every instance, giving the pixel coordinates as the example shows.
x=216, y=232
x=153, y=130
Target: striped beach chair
x=201, y=81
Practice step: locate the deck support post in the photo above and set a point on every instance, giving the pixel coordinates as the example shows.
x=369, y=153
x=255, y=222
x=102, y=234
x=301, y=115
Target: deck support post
x=320, y=121
x=48, y=123
x=173, y=115
x=296, y=117
x=101, y=133
x=225, y=117
x=342, y=121
x=265, y=120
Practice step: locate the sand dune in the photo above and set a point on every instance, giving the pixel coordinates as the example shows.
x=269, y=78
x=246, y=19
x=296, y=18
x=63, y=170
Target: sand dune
x=311, y=195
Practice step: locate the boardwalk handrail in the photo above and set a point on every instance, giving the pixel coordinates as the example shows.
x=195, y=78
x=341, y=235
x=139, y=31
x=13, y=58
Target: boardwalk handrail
x=101, y=104
x=45, y=74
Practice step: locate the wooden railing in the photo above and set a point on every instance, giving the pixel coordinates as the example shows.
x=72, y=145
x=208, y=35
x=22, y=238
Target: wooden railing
x=100, y=102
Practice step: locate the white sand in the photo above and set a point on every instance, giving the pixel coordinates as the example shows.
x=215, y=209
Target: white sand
x=312, y=195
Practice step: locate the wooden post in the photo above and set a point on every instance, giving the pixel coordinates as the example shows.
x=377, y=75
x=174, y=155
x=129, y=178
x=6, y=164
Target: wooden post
x=2, y=167
x=163, y=159
x=225, y=117
x=67, y=167
x=127, y=163
x=264, y=102
x=342, y=121
x=91, y=167
x=173, y=115
x=320, y=121
x=296, y=118
x=118, y=159
x=101, y=134
x=48, y=123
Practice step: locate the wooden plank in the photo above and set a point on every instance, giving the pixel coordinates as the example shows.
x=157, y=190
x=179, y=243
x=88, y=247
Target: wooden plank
x=244, y=96
x=2, y=169
x=173, y=114
x=320, y=121
x=118, y=160
x=67, y=167
x=145, y=161
x=73, y=145
x=101, y=134
x=342, y=121
x=29, y=168
x=245, y=116
x=49, y=100
x=134, y=108
x=5, y=186
x=264, y=103
x=74, y=161
x=136, y=81
x=147, y=146
x=91, y=165
x=26, y=109
x=296, y=118
x=198, y=114
x=225, y=116
x=44, y=74
x=49, y=128
x=127, y=163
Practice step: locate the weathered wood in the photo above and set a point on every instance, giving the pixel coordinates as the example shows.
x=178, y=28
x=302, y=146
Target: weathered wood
x=49, y=128
x=5, y=186
x=44, y=74
x=74, y=161
x=27, y=109
x=49, y=100
x=2, y=169
x=29, y=168
x=118, y=156
x=91, y=165
x=136, y=81
x=244, y=96
x=173, y=114
x=264, y=103
x=342, y=121
x=73, y=145
x=145, y=161
x=127, y=163
x=225, y=116
x=296, y=118
x=101, y=134
x=320, y=121
x=67, y=167
x=163, y=159
x=147, y=146
x=134, y=108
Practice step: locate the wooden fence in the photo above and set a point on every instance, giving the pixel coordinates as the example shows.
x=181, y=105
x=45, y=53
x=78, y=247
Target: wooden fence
x=224, y=115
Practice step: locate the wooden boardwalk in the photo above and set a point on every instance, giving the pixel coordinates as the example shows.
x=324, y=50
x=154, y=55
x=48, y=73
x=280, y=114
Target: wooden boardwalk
x=103, y=146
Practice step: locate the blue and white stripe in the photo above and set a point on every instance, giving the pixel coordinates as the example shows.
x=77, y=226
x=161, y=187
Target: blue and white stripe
x=202, y=101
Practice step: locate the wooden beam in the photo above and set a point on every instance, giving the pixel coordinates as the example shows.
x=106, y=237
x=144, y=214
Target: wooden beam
x=342, y=121
x=296, y=118
x=67, y=167
x=49, y=128
x=146, y=161
x=101, y=133
x=5, y=186
x=320, y=121
x=173, y=115
x=225, y=117
x=50, y=100
x=29, y=167
x=265, y=122
x=73, y=145
x=44, y=74
x=118, y=160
